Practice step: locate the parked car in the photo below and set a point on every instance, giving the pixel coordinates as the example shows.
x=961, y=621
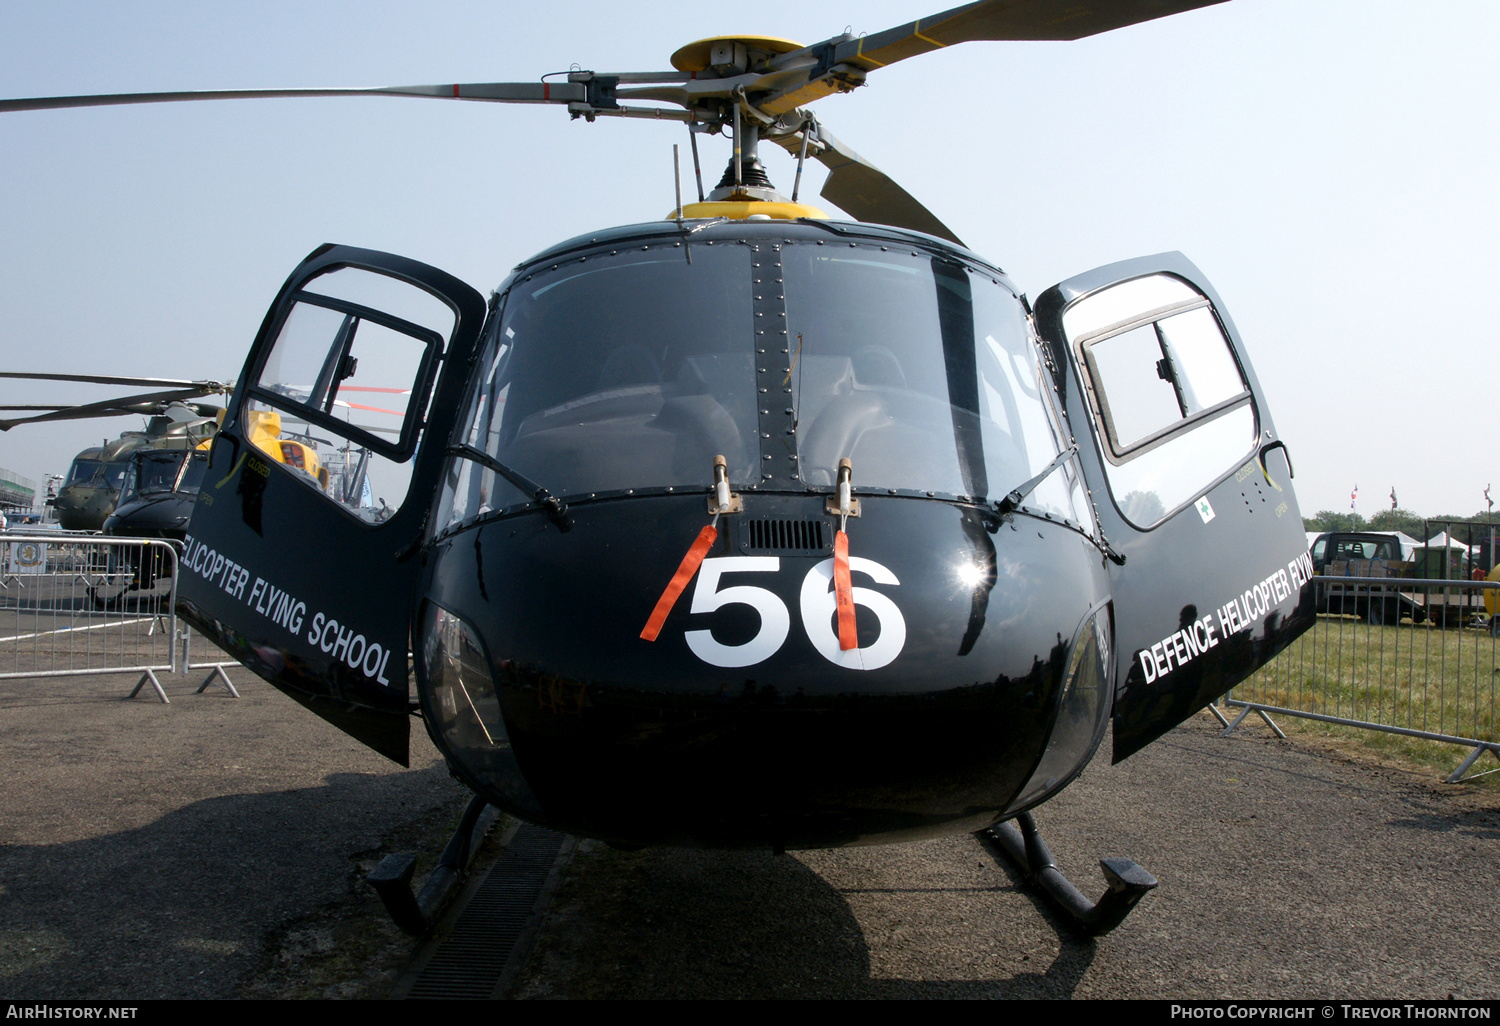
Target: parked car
x=1365, y=554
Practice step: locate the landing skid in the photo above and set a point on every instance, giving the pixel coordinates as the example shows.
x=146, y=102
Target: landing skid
x=1027, y=852
x=416, y=913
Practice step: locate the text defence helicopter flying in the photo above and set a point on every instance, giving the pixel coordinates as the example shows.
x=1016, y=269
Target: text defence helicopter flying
x=749, y=528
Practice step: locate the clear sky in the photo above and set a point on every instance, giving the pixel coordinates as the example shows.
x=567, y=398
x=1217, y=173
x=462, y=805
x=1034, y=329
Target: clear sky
x=1329, y=164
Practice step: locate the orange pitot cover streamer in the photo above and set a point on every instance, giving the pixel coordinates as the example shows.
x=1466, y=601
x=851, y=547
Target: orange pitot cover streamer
x=679, y=581
x=843, y=593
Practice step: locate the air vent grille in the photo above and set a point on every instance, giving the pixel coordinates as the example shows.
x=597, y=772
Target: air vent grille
x=800, y=535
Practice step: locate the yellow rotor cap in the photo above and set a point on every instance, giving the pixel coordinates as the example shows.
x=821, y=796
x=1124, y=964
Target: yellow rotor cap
x=695, y=56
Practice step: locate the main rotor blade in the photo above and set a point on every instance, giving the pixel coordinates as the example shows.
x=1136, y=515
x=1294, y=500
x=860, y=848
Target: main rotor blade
x=372, y=409
x=867, y=193
x=208, y=387
x=1007, y=20
x=287, y=419
x=495, y=92
x=123, y=406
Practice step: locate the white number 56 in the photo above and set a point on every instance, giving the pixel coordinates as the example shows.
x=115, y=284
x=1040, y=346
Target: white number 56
x=817, y=607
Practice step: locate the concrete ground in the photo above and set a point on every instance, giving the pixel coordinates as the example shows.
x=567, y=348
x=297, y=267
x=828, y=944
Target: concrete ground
x=215, y=847
x=1285, y=872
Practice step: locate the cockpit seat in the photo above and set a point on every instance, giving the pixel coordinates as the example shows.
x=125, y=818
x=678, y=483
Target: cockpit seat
x=877, y=367
x=628, y=365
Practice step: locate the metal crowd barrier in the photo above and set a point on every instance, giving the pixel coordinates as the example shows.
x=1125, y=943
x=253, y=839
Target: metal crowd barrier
x=215, y=667
x=1413, y=657
x=73, y=604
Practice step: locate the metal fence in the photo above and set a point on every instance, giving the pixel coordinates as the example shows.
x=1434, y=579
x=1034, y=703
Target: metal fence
x=1408, y=656
x=187, y=661
x=73, y=603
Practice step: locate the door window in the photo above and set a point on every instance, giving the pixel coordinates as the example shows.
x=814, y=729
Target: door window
x=341, y=396
x=1171, y=404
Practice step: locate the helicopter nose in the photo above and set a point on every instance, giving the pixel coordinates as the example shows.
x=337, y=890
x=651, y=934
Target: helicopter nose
x=745, y=724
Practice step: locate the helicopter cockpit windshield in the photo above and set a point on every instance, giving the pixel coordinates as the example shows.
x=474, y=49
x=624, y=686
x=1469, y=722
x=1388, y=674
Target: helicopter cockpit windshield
x=151, y=473
x=113, y=473
x=923, y=372
x=624, y=371
x=162, y=472
x=632, y=369
x=83, y=472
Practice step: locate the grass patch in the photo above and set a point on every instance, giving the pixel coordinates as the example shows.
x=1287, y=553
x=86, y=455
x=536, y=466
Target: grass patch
x=1414, y=677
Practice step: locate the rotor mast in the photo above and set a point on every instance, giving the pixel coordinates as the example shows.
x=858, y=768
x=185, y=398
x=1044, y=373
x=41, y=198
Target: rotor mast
x=745, y=178
x=719, y=69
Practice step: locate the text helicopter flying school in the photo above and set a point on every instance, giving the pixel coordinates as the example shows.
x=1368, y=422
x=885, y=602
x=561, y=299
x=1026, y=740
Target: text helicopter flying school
x=748, y=527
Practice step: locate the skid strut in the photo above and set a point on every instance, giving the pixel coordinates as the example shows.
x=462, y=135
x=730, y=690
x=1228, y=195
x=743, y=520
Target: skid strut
x=416, y=913
x=1025, y=849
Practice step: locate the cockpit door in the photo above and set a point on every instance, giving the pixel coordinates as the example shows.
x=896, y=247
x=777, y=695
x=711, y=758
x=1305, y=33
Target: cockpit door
x=301, y=555
x=1191, y=482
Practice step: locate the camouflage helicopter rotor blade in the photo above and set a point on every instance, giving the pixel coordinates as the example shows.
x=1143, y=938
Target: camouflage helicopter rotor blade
x=146, y=403
x=207, y=387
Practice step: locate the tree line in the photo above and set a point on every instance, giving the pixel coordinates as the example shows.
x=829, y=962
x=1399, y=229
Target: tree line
x=1404, y=520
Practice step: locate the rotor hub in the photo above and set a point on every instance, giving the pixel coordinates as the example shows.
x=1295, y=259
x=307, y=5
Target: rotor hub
x=730, y=55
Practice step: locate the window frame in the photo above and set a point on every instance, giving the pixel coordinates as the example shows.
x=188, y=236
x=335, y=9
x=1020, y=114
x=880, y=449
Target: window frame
x=411, y=425
x=1093, y=380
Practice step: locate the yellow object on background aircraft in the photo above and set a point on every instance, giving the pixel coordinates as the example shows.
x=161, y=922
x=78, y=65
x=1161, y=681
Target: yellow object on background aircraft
x=264, y=430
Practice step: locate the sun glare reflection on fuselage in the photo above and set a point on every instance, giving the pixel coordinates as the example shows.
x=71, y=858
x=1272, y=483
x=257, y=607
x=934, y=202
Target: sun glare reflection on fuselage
x=969, y=575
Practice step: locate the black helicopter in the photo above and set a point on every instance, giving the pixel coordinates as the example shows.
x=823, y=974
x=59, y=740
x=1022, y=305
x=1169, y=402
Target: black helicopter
x=751, y=528
x=156, y=496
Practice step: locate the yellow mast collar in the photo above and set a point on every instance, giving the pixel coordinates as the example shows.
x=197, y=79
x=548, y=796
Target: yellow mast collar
x=739, y=210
